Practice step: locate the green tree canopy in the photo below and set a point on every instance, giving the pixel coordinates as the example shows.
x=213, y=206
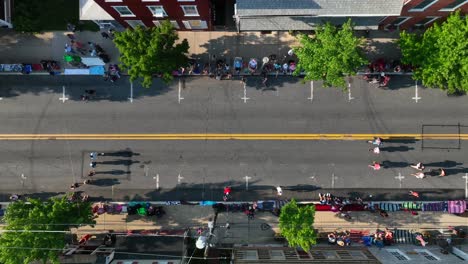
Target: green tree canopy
x=148, y=51
x=31, y=225
x=295, y=224
x=440, y=55
x=330, y=54
x=26, y=16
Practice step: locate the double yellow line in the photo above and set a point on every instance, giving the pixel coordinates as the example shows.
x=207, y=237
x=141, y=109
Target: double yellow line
x=213, y=136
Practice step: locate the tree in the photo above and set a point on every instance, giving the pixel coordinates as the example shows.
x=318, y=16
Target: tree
x=330, y=54
x=440, y=55
x=31, y=227
x=26, y=17
x=148, y=51
x=295, y=224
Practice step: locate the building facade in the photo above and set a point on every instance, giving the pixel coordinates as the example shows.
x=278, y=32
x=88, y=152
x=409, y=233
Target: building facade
x=275, y=15
x=420, y=14
x=285, y=15
x=183, y=14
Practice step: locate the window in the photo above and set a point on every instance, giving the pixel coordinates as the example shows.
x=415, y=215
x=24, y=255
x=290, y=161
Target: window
x=399, y=21
x=157, y=11
x=173, y=22
x=135, y=23
x=423, y=5
x=190, y=10
x=277, y=255
x=247, y=254
x=195, y=24
x=426, y=21
x=454, y=5
x=124, y=11
x=398, y=254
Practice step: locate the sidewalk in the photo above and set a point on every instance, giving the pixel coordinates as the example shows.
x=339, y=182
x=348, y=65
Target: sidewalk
x=31, y=48
x=243, y=230
x=215, y=193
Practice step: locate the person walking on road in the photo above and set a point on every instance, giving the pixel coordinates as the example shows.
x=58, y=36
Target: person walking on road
x=375, y=150
x=438, y=172
x=419, y=175
x=375, y=165
x=417, y=166
x=377, y=141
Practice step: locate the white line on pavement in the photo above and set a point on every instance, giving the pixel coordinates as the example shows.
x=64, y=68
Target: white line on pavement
x=156, y=181
x=245, y=98
x=131, y=92
x=400, y=178
x=416, y=98
x=247, y=178
x=466, y=185
x=311, y=98
x=63, y=98
x=349, y=92
x=180, y=88
x=179, y=178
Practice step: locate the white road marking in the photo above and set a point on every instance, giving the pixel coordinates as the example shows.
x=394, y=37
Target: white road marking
x=311, y=98
x=333, y=180
x=349, y=92
x=131, y=92
x=466, y=185
x=245, y=98
x=180, y=88
x=63, y=98
x=23, y=178
x=156, y=181
x=247, y=178
x=400, y=178
x=416, y=98
x=179, y=178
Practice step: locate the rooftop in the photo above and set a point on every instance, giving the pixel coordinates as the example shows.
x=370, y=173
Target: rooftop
x=350, y=8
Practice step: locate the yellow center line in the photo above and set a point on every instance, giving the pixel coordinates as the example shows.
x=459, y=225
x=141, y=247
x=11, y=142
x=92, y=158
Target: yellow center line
x=228, y=136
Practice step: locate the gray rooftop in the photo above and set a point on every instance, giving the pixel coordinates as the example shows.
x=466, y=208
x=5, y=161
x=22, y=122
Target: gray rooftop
x=249, y=8
x=284, y=23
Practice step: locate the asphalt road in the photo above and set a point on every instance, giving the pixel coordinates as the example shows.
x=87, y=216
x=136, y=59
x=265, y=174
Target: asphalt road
x=31, y=105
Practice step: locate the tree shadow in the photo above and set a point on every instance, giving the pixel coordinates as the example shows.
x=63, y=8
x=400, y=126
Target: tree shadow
x=76, y=87
x=5, y=197
x=395, y=149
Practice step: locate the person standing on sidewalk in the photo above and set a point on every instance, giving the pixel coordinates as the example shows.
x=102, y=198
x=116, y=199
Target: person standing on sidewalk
x=414, y=194
x=279, y=190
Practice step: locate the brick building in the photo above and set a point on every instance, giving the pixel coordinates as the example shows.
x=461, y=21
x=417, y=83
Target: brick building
x=270, y=15
x=183, y=14
x=418, y=14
